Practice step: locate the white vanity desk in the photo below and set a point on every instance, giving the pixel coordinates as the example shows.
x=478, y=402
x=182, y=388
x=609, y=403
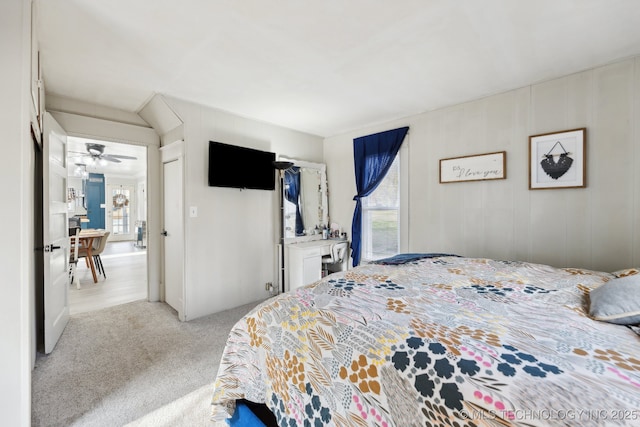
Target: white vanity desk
x=304, y=261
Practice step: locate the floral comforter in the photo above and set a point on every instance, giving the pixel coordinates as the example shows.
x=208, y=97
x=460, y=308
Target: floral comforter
x=437, y=341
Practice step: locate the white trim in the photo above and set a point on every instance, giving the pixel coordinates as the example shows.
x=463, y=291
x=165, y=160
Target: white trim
x=173, y=151
x=107, y=130
x=405, y=244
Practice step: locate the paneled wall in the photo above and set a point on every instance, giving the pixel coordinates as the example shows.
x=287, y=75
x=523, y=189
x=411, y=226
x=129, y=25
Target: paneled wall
x=230, y=247
x=596, y=227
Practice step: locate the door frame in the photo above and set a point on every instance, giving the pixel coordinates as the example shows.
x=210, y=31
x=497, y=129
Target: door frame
x=170, y=153
x=100, y=129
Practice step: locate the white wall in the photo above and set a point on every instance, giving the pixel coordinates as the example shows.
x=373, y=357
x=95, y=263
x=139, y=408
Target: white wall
x=17, y=172
x=230, y=248
x=596, y=227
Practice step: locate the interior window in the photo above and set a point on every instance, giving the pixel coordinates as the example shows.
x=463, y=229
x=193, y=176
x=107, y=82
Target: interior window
x=381, y=217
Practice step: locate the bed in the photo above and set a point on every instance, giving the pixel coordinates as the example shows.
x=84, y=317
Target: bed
x=436, y=339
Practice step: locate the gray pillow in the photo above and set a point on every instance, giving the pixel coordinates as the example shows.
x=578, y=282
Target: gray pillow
x=617, y=301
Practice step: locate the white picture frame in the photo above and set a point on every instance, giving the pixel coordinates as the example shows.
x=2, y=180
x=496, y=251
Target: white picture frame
x=557, y=160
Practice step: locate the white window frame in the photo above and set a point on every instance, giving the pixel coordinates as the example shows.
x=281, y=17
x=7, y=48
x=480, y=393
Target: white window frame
x=402, y=209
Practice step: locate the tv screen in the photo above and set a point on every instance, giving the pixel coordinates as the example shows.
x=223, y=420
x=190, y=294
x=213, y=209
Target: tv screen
x=240, y=167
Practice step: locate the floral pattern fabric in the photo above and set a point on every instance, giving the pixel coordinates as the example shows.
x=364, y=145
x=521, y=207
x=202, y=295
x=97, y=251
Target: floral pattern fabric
x=444, y=341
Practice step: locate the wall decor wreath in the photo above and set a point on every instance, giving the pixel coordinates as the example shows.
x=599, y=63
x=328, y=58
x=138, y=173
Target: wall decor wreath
x=120, y=200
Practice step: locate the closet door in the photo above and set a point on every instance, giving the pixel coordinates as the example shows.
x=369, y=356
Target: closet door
x=173, y=233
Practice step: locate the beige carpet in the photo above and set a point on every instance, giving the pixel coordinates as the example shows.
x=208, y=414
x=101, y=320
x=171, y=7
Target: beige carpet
x=191, y=410
x=134, y=364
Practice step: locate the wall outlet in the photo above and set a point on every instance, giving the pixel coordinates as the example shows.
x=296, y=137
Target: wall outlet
x=268, y=286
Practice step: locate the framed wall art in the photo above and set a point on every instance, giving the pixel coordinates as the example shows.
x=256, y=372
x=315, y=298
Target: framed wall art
x=558, y=160
x=477, y=167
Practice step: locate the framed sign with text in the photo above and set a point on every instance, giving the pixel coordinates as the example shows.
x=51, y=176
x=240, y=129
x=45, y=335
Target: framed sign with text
x=477, y=167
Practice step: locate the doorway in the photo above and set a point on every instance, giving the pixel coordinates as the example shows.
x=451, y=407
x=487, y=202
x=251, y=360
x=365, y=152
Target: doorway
x=107, y=190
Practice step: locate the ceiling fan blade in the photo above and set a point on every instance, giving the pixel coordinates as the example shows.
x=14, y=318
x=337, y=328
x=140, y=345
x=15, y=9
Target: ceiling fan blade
x=109, y=158
x=118, y=156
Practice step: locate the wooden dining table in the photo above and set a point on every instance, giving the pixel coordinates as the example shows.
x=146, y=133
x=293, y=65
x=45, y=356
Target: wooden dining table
x=87, y=236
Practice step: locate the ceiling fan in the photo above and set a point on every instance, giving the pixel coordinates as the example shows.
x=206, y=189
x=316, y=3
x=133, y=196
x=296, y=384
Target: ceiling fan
x=97, y=154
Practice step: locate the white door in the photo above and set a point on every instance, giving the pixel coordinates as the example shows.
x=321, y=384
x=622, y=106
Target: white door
x=173, y=236
x=121, y=208
x=55, y=232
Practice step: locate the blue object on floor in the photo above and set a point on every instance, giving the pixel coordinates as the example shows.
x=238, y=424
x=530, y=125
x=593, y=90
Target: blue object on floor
x=243, y=416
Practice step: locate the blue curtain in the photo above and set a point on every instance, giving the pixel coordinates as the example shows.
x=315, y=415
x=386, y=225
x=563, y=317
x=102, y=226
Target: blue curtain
x=292, y=194
x=372, y=158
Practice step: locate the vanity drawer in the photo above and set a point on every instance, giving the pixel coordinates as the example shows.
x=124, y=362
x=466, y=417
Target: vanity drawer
x=309, y=252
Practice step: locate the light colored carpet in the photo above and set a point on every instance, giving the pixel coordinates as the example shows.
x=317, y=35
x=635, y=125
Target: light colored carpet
x=134, y=364
x=193, y=409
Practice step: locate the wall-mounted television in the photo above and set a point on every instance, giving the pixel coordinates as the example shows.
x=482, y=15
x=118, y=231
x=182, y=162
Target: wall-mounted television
x=240, y=167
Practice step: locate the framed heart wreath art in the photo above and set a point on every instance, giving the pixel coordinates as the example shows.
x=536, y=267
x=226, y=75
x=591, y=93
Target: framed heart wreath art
x=557, y=160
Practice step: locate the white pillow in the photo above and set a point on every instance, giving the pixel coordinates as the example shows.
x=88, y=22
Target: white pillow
x=617, y=301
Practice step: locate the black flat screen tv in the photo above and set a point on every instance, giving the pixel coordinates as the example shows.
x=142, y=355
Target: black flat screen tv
x=240, y=167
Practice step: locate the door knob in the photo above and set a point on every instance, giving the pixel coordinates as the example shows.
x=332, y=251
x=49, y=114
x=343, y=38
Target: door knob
x=164, y=233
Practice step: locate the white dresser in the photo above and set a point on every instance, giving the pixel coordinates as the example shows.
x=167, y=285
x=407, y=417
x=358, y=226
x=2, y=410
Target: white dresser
x=303, y=261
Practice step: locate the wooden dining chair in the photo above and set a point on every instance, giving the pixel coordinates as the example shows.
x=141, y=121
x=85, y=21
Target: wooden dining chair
x=98, y=248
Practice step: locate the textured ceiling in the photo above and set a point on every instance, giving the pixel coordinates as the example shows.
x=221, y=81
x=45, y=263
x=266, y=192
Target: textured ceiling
x=323, y=67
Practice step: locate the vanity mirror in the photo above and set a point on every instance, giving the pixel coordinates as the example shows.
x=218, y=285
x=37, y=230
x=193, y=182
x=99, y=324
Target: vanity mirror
x=305, y=204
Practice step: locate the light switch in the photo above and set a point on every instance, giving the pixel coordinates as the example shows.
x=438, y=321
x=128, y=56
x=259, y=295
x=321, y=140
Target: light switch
x=193, y=211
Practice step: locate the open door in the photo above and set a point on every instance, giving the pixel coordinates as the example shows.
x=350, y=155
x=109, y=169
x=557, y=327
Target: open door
x=173, y=236
x=55, y=232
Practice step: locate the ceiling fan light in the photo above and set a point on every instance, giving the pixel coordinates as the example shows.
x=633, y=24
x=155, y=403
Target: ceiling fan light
x=81, y=171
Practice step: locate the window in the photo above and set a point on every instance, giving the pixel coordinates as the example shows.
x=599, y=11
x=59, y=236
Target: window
x=381, y=217
x=120, y=214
